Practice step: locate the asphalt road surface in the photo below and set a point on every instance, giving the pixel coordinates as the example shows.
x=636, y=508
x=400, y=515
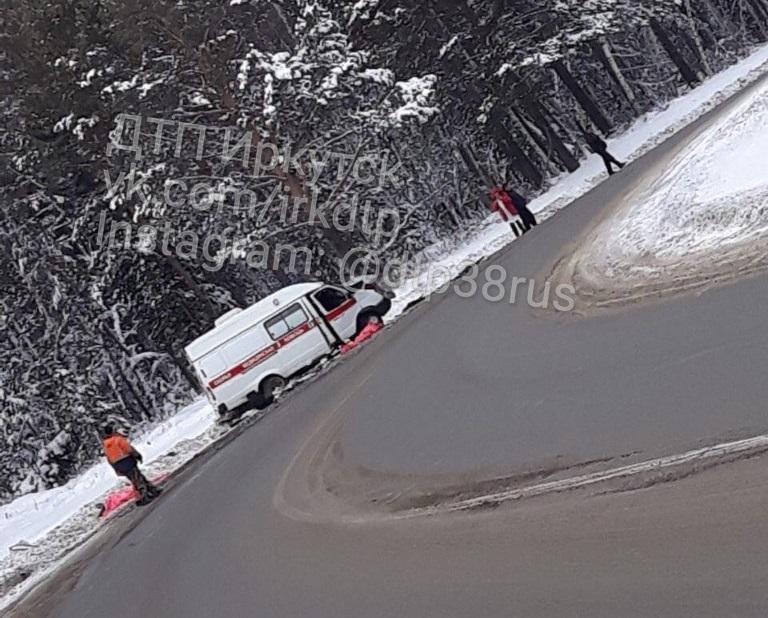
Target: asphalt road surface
x=468, y=388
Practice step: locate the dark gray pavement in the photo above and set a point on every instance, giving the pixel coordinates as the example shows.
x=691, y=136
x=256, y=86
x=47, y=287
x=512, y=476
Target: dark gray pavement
x=471, y=384
x=462, y=385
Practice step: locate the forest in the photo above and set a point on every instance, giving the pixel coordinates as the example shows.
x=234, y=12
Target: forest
x=159, y=157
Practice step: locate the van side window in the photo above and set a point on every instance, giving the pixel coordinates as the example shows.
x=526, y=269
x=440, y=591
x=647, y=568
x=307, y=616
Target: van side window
x=295, y=317
x=285, y=322
x=330, y=298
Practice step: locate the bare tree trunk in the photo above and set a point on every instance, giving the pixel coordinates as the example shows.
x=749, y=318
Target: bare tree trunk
x=553, y=142
x=451, y=212
x=178, y=358
x=286, y=36
x=544, y=120
x=535, y=140
x=138, y=397
x=605, y=53
x=685, y=69
x=564, y=130
x=762, y=7
x=469, y=158
x=507, y=142
x=192, y=285
x=587, y=103
x=760, y=13
x=697, y=38
x=184, y=368
x=720, y=18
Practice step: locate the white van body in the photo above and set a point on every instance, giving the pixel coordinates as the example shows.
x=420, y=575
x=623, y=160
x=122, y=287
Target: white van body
x=277, y=337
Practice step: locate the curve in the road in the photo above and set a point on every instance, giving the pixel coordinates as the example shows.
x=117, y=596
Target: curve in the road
x=466, y=396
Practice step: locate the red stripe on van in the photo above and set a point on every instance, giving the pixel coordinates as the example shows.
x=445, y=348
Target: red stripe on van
x=342, y=308
x=262, y=355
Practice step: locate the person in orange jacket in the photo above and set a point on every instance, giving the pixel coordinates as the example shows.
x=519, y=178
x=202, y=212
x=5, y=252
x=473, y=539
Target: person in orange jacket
x=125, y=460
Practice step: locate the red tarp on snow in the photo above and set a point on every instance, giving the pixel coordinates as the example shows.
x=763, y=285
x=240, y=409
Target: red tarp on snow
x=369, y=331
x=122, y=497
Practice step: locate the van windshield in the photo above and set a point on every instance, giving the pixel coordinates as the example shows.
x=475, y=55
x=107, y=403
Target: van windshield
x=330, y=298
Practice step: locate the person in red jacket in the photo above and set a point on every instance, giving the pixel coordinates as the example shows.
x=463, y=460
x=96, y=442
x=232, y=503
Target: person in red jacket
x=125, y=460
x=503, y=204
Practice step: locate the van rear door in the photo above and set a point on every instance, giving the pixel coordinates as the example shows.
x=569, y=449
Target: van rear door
x=339, y=309
x=207, y=368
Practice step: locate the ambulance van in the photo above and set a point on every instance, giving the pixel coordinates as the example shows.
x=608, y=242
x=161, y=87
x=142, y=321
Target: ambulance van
x=251, y=353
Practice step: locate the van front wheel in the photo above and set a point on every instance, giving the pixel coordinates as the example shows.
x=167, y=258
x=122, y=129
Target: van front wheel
x=369, y=317
x=268, y=387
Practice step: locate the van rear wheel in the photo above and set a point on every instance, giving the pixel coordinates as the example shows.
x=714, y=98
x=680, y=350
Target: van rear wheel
x=269, y=386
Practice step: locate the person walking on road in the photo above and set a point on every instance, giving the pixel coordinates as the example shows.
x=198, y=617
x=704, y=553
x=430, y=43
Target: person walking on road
x=521, y=204
x=502, y=203
x=125, y=460
x=598, y=146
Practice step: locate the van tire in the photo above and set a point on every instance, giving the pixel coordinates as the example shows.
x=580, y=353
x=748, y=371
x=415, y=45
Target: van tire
x=368, y=317
x=268, y=387
x=256, y=401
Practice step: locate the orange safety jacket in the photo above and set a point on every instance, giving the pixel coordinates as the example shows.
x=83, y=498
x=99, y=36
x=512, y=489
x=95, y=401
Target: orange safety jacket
x=116, y=448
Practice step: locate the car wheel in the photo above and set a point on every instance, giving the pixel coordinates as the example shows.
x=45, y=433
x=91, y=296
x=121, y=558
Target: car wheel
x=269, y=386
x=371, y=317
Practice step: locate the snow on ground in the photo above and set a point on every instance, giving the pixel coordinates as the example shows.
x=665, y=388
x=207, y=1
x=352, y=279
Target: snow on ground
x=448, y=259
x=31, y=516
x=712, y=197
x=699, y=217
x=38, y=530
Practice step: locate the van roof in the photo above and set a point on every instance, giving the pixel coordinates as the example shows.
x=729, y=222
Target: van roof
x=247, y=318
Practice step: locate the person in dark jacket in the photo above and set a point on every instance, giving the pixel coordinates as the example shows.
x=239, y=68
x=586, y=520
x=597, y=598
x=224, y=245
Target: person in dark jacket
x=521, y=204
x=598, y=146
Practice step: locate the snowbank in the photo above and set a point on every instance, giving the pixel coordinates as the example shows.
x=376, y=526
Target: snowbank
x=712, y=198
x=700, y=217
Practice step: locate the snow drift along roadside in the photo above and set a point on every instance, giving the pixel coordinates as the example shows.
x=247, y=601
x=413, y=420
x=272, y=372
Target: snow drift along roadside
x=705, y=212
